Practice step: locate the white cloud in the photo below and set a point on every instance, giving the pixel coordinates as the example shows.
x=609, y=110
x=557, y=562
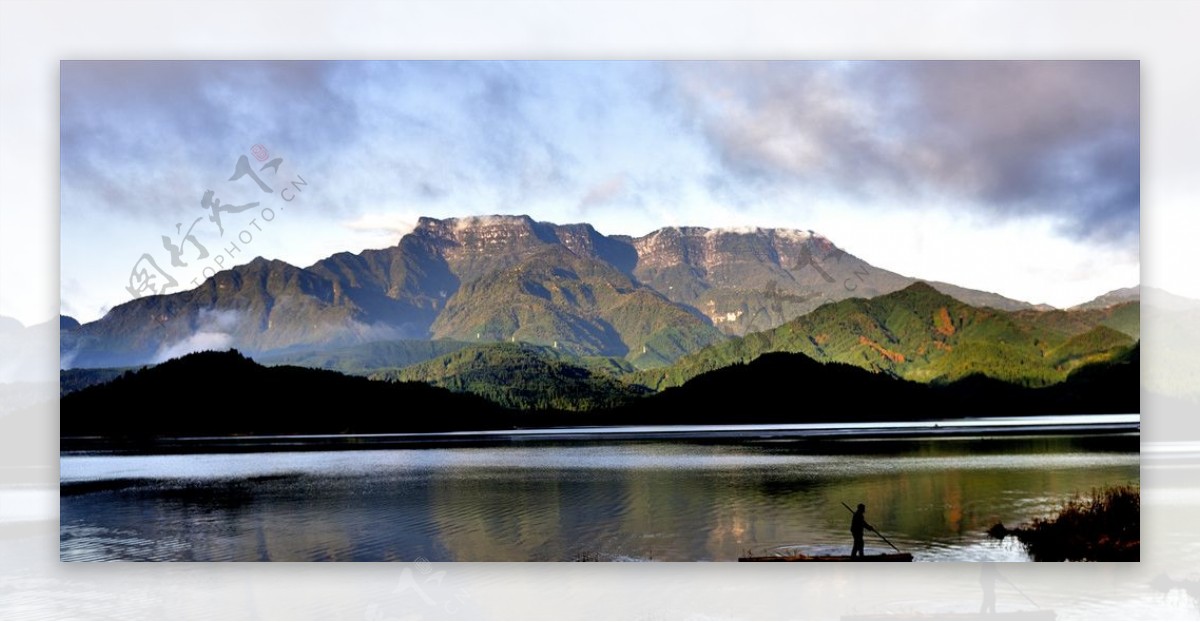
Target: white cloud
x=627, y=147
x=197, y=342
x=212, y=333
x=604, y=192
x=393, y=225
x=1027, y=259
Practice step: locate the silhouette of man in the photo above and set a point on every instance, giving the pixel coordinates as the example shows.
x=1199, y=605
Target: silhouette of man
x=987, y=582
x=857, y=524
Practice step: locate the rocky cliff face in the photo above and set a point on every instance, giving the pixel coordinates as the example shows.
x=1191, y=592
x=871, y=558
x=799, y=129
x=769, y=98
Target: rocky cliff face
x=712, y=248
x=650, y=299
x=473, y=246
x=748, y=280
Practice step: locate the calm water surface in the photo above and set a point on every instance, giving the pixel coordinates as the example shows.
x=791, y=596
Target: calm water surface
x=659, y=501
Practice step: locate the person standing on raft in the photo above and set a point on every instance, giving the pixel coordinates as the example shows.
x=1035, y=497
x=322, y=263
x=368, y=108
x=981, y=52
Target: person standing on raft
x=857, y=524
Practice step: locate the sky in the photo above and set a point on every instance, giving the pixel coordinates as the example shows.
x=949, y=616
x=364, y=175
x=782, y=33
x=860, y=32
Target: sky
x=1021, y=178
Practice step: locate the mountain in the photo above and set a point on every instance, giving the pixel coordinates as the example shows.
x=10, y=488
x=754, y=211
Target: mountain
x=78, y=378
x=358, y=359
x=921, y=334
x=27, y=352
x=1172, y=340
x=504, y=278
x=140, y=406
x=748, y=280
x=1125, y=317
x=1115, y=297
x=480, y=279
x=259, y=306
x=558, y=298
x=364, y=358
x=141, y=409
x=526, y=377
x=782, y=387
x=1166, y=301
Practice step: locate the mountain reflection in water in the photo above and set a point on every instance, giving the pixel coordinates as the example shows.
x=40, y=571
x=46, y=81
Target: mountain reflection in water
x=660, y=501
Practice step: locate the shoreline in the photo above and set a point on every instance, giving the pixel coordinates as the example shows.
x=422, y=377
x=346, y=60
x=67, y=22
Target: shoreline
x=1084, y=425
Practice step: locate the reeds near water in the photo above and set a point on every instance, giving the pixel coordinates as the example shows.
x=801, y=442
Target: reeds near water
x=1104, y=526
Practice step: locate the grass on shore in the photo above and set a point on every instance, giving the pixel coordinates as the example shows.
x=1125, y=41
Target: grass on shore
x=1103, y=527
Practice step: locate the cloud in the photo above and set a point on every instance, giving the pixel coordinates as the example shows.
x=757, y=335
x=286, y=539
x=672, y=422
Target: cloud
x=366, y=333
x=392, y=226
x=148, y=138
x=1003, y=139
x=1036, y=137
x=627, y=146
x=604, y=192
x=141, y=137
x=514, y=142
x=471, y=135
x=199, y=341
x=213, y=332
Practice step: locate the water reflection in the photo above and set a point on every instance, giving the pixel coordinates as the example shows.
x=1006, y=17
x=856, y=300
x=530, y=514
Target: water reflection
x=635, y=501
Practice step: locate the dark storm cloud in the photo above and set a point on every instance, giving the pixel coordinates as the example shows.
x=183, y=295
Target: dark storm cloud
x=1036, y=137
x=1005, y=139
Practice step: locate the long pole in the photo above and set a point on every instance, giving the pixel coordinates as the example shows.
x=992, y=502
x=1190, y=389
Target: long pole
x=873, y=529
x=1014, y=586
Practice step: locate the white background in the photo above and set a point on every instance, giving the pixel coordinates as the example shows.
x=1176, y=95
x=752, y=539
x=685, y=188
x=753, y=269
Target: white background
x=34, y=36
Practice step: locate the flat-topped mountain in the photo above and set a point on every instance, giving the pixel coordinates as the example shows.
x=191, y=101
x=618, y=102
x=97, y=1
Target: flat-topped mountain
x=649, y=300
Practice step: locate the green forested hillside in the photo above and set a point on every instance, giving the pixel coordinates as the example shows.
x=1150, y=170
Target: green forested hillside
x=241, y=397
x=367, y=357
x=557, y=298
x=141, y=409
x=793, y=388
x=527, y=377
x=921, y=334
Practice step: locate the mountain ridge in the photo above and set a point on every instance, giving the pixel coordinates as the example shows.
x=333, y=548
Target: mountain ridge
x=668, y=293
x=128, y=413
x=921, y=334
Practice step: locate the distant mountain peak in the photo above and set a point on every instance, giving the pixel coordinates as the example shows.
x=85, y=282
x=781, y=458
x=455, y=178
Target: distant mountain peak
x=921, y=287
x=1113, y=298
x=262, y=263
x=1165, y=300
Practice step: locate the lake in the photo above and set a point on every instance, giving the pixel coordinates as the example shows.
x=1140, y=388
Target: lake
x=606, y=501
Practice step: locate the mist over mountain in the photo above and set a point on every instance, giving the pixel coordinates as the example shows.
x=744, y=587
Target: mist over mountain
x=649, y=300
